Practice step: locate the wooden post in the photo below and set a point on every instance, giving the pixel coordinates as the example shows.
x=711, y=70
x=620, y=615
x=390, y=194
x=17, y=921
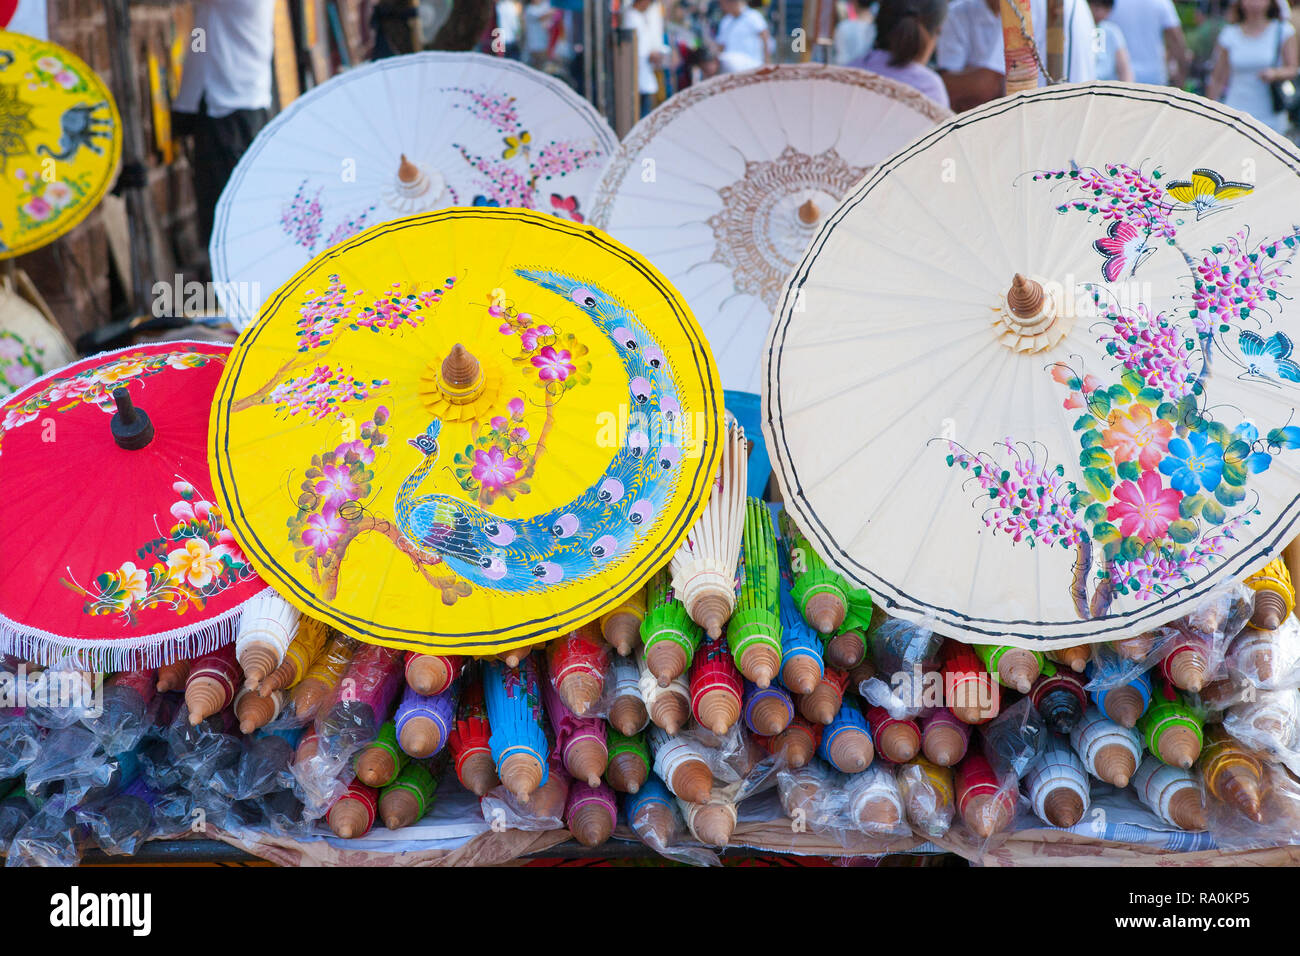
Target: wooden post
x=627, y=92
x=818, y=26
x=139, y=204
x=1018, y=46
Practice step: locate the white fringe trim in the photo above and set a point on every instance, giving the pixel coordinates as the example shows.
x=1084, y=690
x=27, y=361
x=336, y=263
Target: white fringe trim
x=131, y=653
x=134, y=653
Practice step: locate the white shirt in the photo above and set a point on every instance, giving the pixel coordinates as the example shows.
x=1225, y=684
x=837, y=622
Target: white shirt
x=537, y=27
x=852, y=40
x=742, y=38
x=1143, y=23
x=232, y=67
x=1109, y=42
x=1246, y=57
x=972, y=37
x=649, y=27
x=508, y=20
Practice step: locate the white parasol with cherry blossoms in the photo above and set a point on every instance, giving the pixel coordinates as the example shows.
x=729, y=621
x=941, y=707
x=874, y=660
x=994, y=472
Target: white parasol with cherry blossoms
x=1035, y=379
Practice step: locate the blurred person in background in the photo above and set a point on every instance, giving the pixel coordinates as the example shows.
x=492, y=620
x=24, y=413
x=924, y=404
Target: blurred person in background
x=970, y=56
x=1256, y=48
x=509, y=24
x=225, y=94
x=906, y=34
x=1201, y=41
x=1154, y=37
x=743, y=37
x=458, y=26
x=537, y=32
x=702, y=65
x=646, y=17
x=688, y=33
x=854, y=36
x=1111, y=49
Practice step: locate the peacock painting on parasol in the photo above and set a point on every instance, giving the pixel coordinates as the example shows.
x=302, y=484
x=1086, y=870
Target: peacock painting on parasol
x=1166, y=467
x=457, y=442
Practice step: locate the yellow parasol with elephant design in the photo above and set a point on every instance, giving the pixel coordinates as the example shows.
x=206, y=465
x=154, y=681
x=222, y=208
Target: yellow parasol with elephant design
x=60, y=142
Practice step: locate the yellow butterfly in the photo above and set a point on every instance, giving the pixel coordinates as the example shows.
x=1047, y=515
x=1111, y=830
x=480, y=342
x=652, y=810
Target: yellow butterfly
x=1207, y=193
x=516, y=145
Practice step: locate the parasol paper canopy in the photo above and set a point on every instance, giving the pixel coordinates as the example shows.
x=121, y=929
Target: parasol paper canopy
x=30, y=344
x=467, y=431
x=394, y=138
x=1042, y=388
x=116, y=558
x=60, y=141
x=724, y=185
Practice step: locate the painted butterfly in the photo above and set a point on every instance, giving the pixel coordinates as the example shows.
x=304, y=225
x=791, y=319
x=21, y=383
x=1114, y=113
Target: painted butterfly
x=1123, y=246
x=516, y=145
x=1268, y=357
x=566, y=207
x=1207, y=192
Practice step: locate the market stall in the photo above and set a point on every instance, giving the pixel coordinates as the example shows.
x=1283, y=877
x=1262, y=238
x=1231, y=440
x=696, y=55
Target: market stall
x=466, y=552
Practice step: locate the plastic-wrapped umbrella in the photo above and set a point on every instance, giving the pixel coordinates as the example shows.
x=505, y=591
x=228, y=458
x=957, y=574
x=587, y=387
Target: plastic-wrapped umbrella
x=398, y=137
x=467, y=431
x=724, y=185
x=60, y=142
x=1034, y=379
x=117, y=558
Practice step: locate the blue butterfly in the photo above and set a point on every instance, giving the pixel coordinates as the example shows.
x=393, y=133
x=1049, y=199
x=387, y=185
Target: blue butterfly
x=481, y=200
x=1268, y=357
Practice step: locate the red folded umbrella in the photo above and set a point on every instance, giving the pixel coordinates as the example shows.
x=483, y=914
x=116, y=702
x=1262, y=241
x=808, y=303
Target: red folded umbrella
x=112, y=554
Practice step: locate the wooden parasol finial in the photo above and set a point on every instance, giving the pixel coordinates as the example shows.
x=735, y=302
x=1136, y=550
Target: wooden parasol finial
x=1025, y=297
x=407, y=171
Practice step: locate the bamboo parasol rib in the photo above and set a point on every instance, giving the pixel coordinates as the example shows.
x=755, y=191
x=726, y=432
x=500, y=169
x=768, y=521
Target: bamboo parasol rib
x=704, y=566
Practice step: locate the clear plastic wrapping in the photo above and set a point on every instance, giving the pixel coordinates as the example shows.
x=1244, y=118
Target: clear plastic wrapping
x=655, y=817
x=52, y=837
x=125, y=710
x=201, y=750
x=927, y=792
x=265, y=764
x=71, y=753
x=544, y=809
x=20, y=743
x=15, y=810
x=903, y=654
x=811, y=797
x=1269, y=723
x=285, y=813
x=874, y=803
x=1275, y=823
x=1267, y=660
x=1015, y=739
x=319, y=778
x=59, y=697
x=119, y=825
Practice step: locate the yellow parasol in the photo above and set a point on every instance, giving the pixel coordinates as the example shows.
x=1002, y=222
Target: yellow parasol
x=60, y=141
x=467, y=431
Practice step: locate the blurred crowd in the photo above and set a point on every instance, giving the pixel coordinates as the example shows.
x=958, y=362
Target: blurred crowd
x=1242, y=53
